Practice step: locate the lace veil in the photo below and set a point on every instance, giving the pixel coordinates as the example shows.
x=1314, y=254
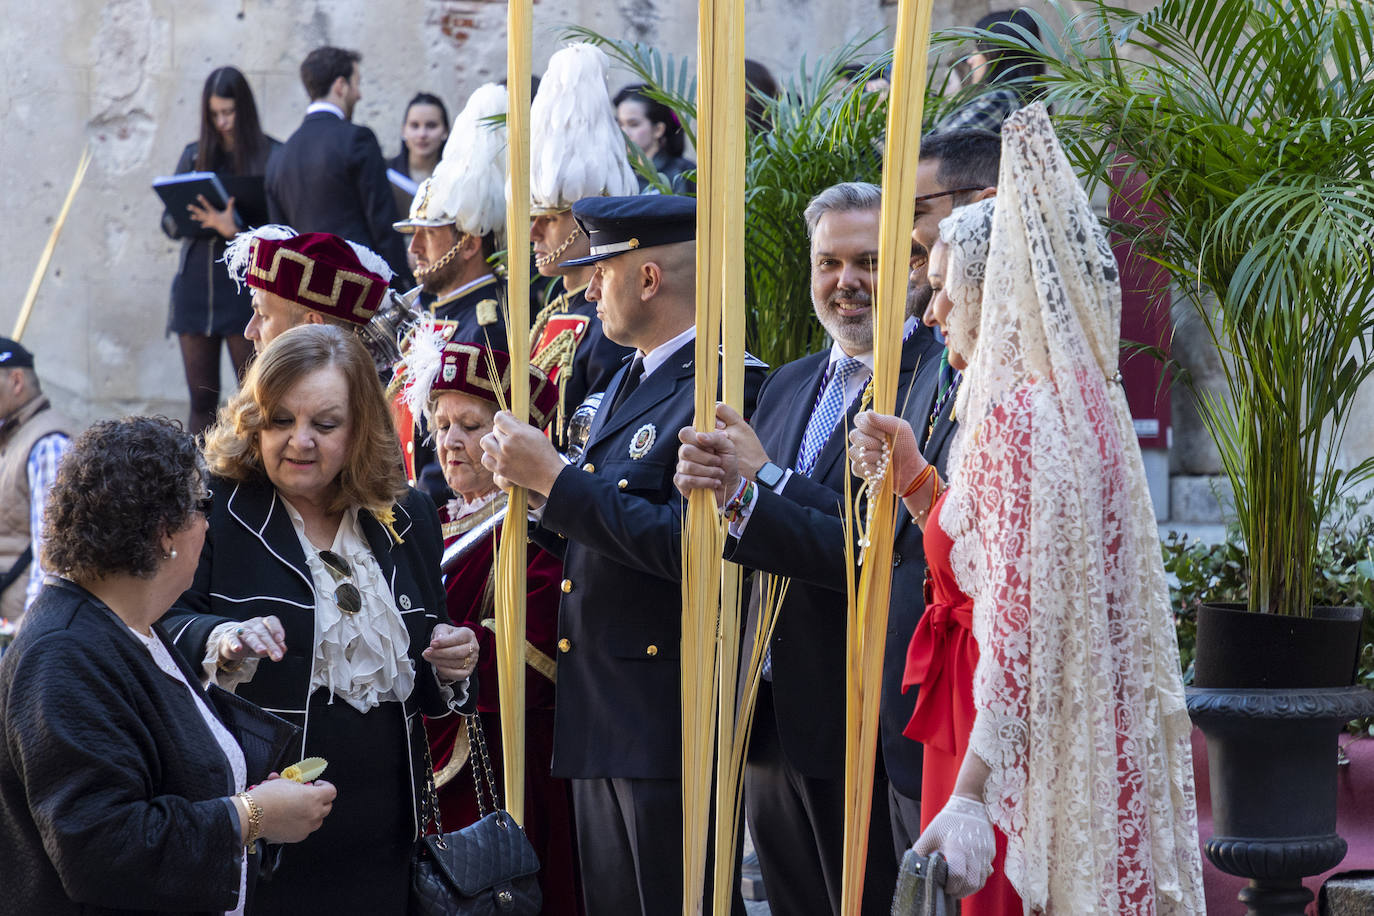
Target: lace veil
x=1080, y=705
x=966, y=231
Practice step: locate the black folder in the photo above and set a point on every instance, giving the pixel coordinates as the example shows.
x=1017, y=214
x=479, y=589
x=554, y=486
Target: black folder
x=179, y=191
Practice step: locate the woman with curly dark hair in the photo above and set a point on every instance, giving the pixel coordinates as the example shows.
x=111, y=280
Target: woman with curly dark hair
x=318, y=597
x=121, y=780
x=208, y=311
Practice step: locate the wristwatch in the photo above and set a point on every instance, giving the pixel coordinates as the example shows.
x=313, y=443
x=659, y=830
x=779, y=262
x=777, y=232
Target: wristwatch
x=770, y=475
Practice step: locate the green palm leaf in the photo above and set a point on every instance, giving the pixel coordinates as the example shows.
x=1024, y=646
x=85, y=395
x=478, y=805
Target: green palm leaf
x=1252, y=124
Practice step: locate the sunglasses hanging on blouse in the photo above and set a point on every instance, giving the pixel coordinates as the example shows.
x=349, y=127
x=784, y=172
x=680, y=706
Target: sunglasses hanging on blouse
x=346, y=595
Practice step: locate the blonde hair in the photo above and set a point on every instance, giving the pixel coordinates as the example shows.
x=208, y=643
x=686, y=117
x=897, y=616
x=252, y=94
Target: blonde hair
x=372, y=477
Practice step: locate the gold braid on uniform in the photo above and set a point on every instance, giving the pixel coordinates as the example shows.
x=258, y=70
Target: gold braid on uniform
x=559, y=351
x=553, y=256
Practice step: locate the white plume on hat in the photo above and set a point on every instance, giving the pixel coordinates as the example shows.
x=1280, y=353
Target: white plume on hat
x=238, y=254
x=576, y=146
x=475, y=163
x=372, y=261
x=419, y=367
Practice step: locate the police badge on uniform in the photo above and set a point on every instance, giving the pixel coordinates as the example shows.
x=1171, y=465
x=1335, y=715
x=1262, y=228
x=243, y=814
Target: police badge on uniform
x=643, y=440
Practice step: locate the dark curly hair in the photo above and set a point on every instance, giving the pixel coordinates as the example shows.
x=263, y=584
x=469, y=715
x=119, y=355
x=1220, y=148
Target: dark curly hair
x=122, y=487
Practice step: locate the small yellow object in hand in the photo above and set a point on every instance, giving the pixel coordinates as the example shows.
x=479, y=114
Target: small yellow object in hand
x=308, y=770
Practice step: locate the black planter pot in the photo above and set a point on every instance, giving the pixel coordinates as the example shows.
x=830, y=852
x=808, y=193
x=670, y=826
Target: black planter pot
x=1272, y=716
x=1236, y=648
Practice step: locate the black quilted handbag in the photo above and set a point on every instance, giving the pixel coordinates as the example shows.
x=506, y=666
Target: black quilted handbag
x=486, y=869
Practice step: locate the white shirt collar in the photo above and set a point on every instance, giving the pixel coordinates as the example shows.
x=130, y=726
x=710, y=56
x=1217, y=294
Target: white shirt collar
x=467, y=286
x=461, y=508
x=659, y=354
x=326, y=106
x=837, y=353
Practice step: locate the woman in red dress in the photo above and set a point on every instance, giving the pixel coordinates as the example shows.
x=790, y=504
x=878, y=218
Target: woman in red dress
x=1051, y=707
x=459, y=388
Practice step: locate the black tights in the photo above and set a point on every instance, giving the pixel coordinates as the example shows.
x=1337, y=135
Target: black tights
x=200, y=356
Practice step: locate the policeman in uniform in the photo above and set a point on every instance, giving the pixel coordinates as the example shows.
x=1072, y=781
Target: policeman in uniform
x=616, y=519
x=572, y=121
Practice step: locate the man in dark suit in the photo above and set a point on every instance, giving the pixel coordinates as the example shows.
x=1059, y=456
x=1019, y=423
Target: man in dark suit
x=789, y=526
x=615, y=518
x=792, y=528
x=330, y=175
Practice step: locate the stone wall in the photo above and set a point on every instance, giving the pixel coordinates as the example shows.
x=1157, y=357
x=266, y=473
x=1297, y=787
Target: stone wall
x=125, y=76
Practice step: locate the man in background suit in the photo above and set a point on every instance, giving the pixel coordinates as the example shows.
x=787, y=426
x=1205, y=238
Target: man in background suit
x=616, y=520
x=330, y=175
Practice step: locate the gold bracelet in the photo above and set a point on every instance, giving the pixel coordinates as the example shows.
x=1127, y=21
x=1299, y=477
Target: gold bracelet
x=254, y=818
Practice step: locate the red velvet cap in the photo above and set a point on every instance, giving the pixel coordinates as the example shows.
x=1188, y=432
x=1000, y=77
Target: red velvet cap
x=319, y=271
x=467, y=368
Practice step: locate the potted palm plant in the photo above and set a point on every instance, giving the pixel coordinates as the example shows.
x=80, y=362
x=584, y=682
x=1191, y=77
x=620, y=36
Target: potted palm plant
x=1249, y=125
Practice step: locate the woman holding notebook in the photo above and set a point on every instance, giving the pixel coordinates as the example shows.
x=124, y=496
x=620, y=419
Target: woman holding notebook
x=207, y=308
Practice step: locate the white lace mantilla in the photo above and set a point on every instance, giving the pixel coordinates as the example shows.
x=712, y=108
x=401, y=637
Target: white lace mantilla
x=1079, y=700
x=360, y=658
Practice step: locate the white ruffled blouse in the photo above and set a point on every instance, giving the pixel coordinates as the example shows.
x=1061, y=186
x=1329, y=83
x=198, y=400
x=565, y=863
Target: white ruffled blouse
x=359, y=658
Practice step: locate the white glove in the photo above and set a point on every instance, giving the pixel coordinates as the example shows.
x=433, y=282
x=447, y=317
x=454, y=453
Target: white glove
x=962, y=833
x=866, y=440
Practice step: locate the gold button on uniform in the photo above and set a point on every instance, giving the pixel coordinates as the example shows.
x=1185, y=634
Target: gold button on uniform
x=651, y=651
x=567, y=586
x=589, y=467
x=622, y=483
x=564, y=644
x=410, y=448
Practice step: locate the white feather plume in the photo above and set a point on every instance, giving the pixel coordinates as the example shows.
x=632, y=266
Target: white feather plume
x=238, y=253
x=372, y=261
x=469, y=183
x=576, y=146
x=424, y=354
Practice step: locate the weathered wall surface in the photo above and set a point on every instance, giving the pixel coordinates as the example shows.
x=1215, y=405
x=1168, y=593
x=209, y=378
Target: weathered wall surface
x=125, y=76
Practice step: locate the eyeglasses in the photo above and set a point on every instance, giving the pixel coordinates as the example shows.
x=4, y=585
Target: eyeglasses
x=205, y=503
x=346, y=596
x=921, y=198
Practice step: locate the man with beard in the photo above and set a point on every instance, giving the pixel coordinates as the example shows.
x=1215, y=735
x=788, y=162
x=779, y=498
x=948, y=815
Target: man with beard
x=454, y=219
x=453, y=222
x=572, y=124
x=790, y=480
x=790, y=526
x=330, y=176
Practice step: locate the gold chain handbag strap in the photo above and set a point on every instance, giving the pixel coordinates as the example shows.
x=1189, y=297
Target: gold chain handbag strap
x=429, y=804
